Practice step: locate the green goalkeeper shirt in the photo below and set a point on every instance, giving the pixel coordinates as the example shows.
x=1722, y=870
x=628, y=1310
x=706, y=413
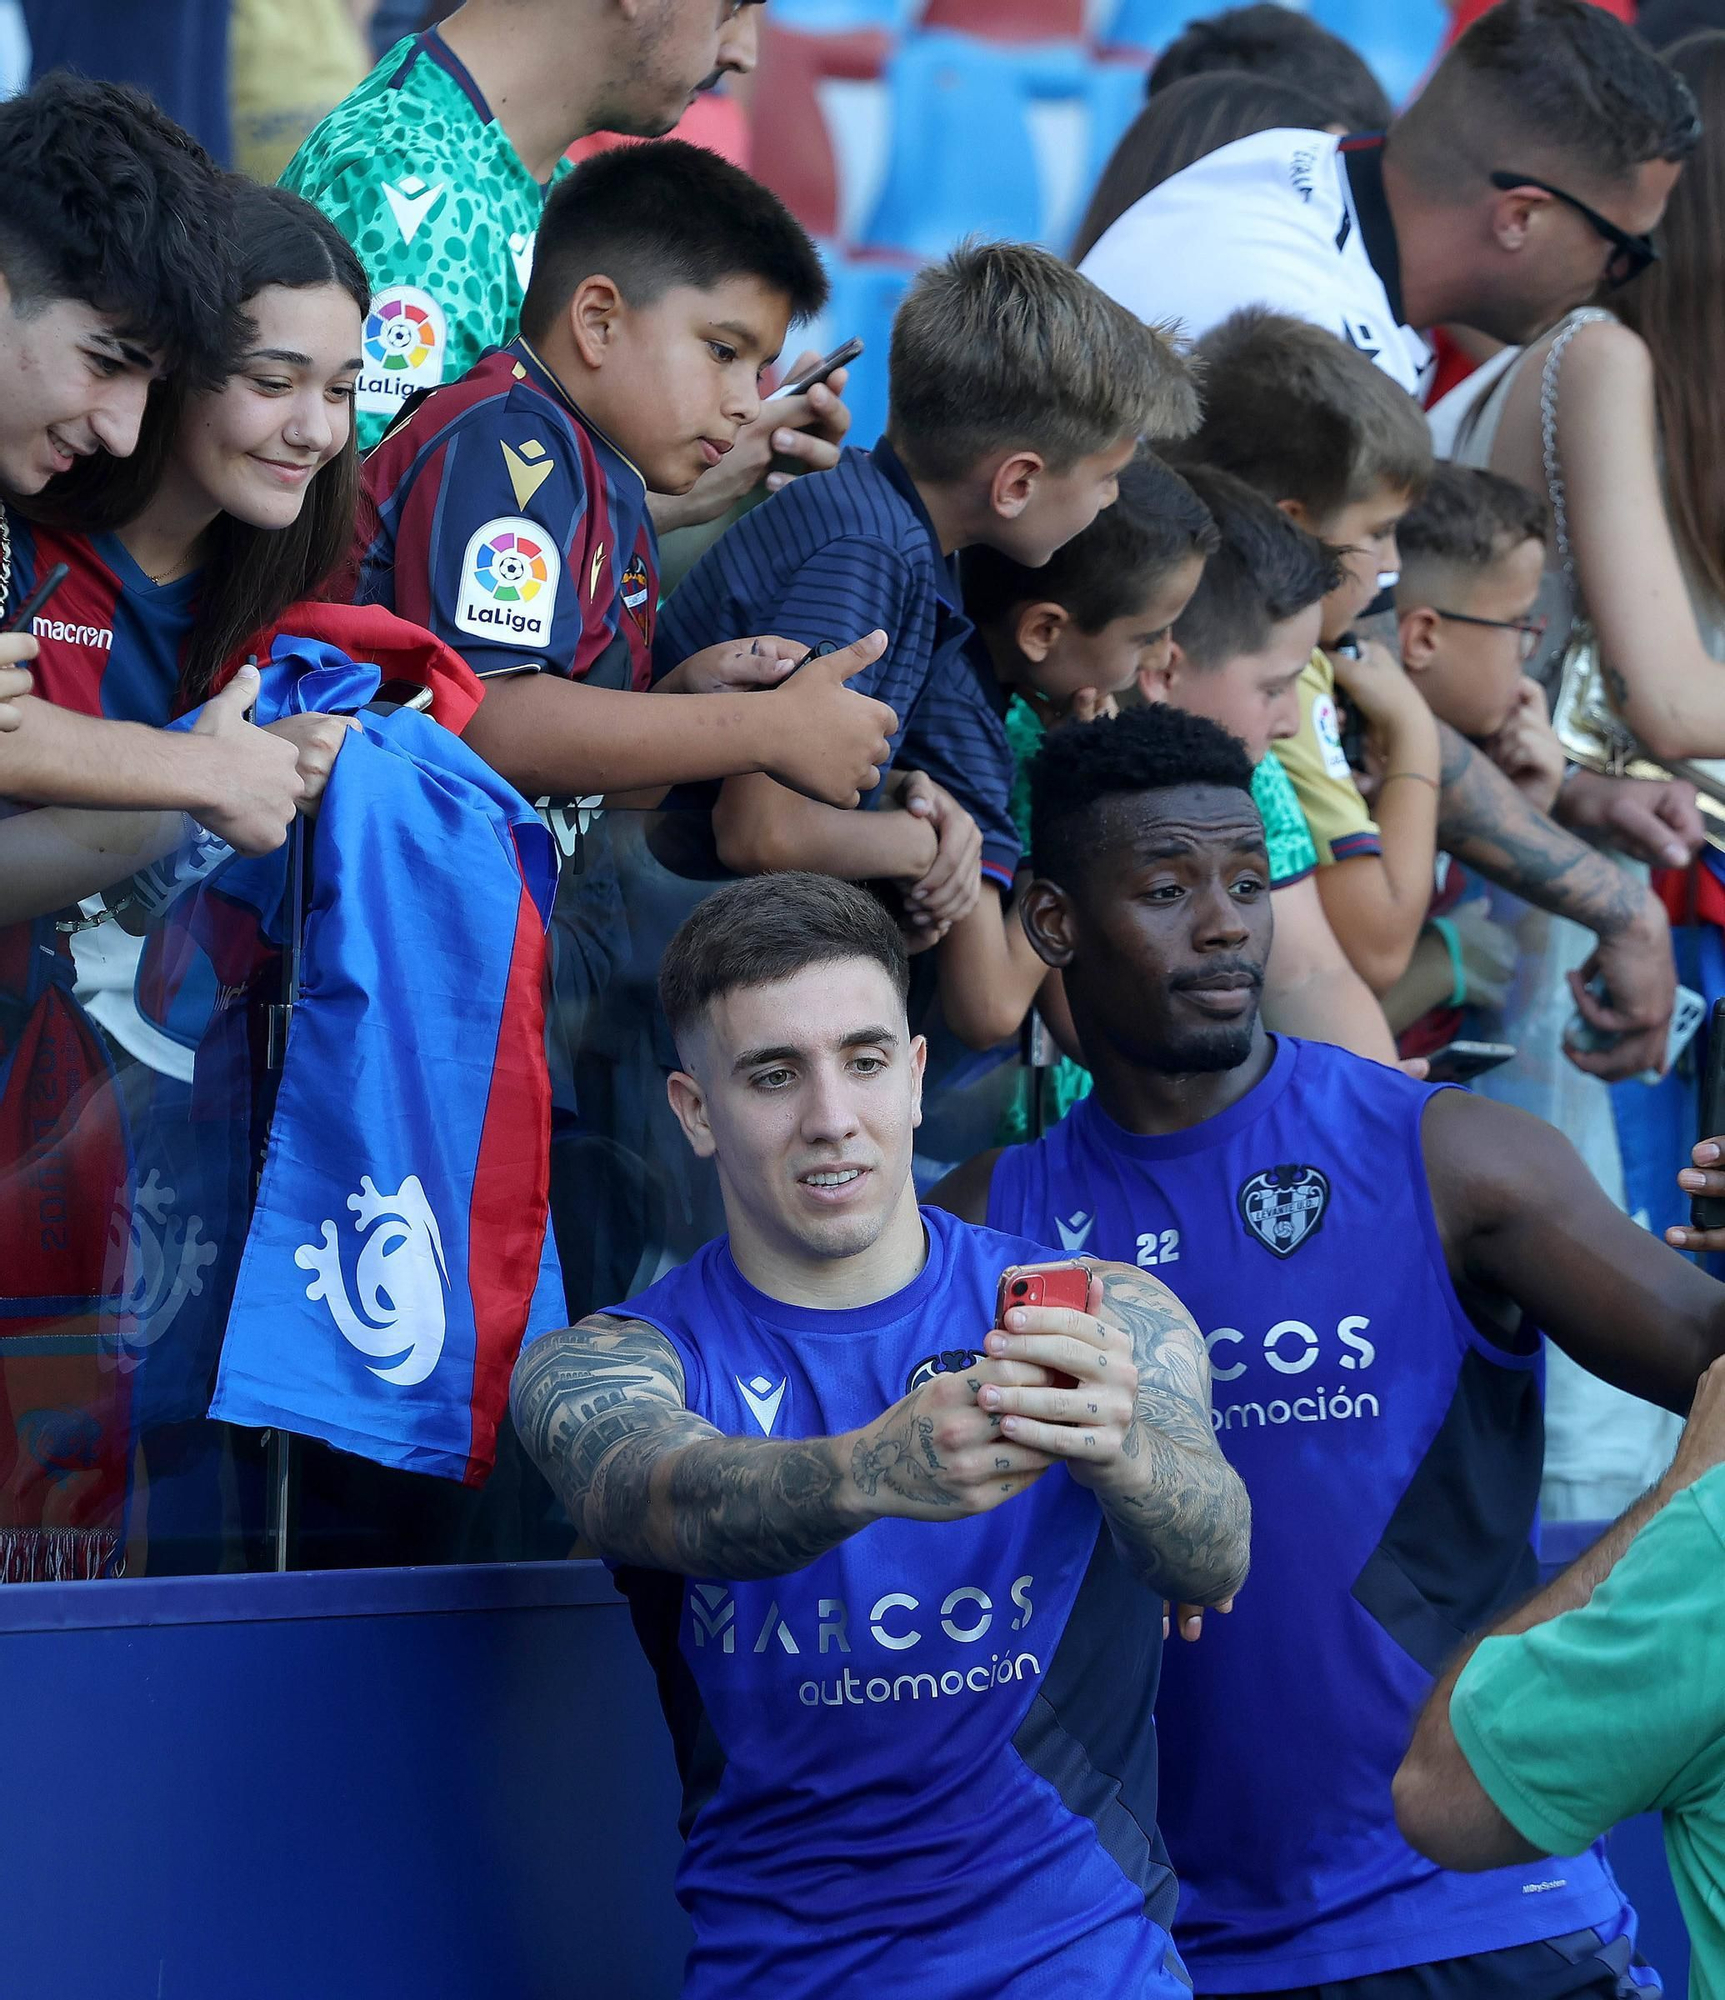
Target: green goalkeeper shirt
x=418, y=175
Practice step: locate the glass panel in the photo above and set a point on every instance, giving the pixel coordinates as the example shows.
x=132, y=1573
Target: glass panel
x=132, y=1139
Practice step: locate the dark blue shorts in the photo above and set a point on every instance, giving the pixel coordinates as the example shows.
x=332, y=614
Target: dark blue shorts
x=1578, y=1967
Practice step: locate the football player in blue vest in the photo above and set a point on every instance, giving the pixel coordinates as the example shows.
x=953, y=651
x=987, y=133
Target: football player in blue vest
x=907, y=1640
x=1373, y=1262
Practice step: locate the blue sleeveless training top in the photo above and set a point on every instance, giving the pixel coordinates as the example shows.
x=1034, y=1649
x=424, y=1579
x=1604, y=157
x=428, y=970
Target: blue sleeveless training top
x=1392, y=1453
x=926, y=1762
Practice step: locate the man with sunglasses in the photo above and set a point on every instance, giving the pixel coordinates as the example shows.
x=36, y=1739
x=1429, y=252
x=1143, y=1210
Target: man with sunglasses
x=1530, y=171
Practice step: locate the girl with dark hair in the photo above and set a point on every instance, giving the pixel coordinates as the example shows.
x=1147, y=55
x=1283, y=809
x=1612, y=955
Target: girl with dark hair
x=238, y=504
x=1188, y=121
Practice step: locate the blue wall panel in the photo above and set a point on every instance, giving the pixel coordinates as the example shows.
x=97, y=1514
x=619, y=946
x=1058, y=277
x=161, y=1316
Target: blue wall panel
x=425, y=1783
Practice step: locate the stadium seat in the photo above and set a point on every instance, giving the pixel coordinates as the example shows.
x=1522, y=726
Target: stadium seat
x=1011, y=20
x=986, y=139
x=840, y=17
x=1400, y=42
x=1147, y=24
x=866, y=292
x=820, y=147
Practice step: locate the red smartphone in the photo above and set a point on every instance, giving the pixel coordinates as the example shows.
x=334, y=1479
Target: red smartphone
x=1067, y=1287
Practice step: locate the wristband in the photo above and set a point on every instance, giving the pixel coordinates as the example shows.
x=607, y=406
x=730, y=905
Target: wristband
x=1445, y=929
x=1424, y=780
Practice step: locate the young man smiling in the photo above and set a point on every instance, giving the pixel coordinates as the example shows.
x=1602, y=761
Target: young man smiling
x=114, y=270
x=900, y=1574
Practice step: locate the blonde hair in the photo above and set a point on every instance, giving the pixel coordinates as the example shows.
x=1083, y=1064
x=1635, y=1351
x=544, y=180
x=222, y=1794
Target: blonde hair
x=1004, y=345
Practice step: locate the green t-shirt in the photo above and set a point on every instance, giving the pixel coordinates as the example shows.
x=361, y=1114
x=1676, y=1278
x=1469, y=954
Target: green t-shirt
x=1619, y=1707
x=421, y=179
x=1292, y=857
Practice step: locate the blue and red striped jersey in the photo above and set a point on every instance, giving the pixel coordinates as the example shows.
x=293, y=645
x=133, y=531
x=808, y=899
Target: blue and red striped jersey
x=110, y=640
x=514, y=529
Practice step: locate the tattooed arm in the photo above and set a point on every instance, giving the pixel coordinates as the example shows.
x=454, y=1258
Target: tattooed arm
x=600, y=1409
x=1489, y=826
x=1135, y=1428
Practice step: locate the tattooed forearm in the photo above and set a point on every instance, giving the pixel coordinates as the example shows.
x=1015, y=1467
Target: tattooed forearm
x=600, y=1410
x=1184, y=1521
x=1490, y=827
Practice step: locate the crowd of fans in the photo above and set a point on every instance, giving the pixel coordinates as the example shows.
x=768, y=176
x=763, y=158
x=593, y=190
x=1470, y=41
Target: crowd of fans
x=415, y=613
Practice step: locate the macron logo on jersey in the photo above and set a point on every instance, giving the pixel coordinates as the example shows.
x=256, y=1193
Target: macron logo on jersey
x=521, y=256
x=410, y=202
x=1075, y=1231
x=763, y=1397
x=99, y=638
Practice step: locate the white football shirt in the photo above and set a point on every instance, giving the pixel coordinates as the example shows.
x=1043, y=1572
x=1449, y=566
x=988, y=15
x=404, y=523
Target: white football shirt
x=1275, y=220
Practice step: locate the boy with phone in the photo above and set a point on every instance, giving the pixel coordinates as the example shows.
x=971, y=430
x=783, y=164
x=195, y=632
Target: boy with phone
x=1018, y=392
x=512, y=505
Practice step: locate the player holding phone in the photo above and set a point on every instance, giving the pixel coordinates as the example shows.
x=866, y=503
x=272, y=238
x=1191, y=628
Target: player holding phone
x=898, y=1580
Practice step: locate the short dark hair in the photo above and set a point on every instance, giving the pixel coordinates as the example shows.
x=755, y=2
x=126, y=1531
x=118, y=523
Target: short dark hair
x=768, y=928
x=1549, y=80
x=1270, y=40
x=1303, y=416
x=1004, y=344
x=1152, y=749
x=662, y=214
x=107, y=201
x=1468, y=519
x=1112, y=567
x=1184, y=123
x=1266, y=569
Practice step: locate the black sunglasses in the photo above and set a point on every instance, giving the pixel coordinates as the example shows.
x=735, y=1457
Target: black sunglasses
x=1530, y=630
x=1630, y=255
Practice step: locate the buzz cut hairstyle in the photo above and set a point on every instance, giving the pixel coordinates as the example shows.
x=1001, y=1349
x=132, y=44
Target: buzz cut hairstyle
x=663, y=214
x=1112, y=568
x=1303, y=416
x=1004, y=345
x=1157, y=748
x=1267, y=569
x=1547, y=86
x=768, y=928
x=1467, y=520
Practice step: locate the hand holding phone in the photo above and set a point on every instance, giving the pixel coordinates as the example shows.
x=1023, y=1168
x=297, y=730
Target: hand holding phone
x=1065, y=1287
x=1461, y=1062
x=828, y=365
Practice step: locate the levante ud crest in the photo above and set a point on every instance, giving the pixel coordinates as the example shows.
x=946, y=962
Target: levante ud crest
x=1283, y=1206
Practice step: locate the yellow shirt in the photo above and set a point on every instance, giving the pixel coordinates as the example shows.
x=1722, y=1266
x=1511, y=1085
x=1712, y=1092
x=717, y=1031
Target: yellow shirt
x=287, y=66
x=1342, y=828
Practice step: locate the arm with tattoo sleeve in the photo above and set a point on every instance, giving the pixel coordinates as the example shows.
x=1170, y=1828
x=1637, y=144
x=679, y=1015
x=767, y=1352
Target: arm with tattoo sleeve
x=1134, y=1426
x=600, y=1408
x=1183, y=1518
x=1486, y=823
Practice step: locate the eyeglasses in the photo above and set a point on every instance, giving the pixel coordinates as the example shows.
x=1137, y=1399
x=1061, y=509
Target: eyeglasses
x=1532, y=630
x=1630, y=255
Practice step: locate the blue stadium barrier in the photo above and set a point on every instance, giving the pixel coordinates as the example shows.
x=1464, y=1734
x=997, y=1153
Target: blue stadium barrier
x=437, y=1782
x=1399, y=41
x=964, y=158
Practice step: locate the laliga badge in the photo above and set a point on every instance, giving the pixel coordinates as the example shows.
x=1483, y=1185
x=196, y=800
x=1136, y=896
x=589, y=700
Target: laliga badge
x=509, y=577
x=1282, y=1206
x=406, y=338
